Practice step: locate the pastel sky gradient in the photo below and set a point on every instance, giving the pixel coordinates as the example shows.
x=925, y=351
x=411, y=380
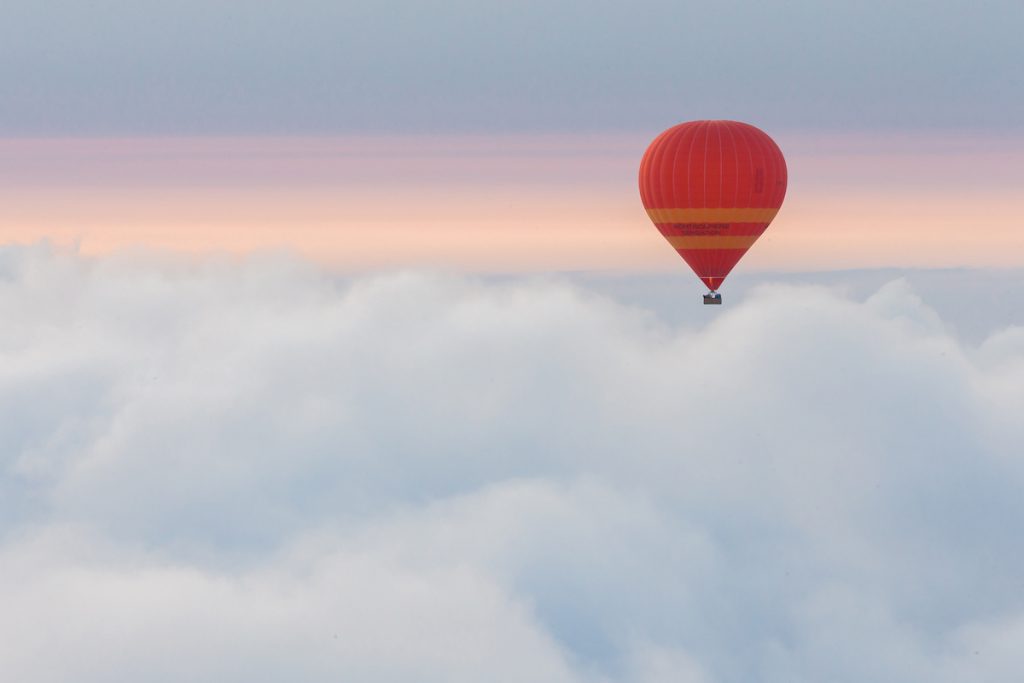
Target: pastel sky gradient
x=505, y=136
x=507, y=203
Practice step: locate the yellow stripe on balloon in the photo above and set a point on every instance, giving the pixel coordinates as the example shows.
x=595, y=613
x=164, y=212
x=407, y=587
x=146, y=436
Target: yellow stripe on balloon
x=712, y=215
x=711, y=241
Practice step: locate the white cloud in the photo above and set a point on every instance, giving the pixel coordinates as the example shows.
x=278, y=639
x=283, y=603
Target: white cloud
x=209, y=470
x=347, y=615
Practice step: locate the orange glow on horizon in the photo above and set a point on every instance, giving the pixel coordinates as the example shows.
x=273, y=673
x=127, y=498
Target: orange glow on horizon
x=502, y=204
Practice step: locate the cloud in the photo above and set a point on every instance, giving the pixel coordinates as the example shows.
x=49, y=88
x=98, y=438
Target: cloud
x=227, y=470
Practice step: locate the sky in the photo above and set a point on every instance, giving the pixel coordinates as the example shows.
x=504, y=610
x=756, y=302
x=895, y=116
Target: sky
x=509, y=203
x=114, y=67
x=337, y=345
x=504, y=137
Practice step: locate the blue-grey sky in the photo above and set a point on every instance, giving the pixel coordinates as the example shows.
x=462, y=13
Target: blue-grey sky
x=314, y=66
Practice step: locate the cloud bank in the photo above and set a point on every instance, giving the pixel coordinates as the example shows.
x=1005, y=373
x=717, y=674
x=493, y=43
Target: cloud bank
x=228, y=471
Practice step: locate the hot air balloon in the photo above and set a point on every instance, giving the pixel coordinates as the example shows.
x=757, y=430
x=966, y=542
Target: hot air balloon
x=711, y=188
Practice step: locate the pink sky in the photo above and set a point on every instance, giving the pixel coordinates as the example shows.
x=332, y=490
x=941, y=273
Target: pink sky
x=504, y=204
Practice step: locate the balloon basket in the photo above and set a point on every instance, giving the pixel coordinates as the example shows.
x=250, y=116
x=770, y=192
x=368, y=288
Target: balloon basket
x=713, y=298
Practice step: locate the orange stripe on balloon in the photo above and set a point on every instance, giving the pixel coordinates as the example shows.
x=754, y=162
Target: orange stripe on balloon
x=712, y=215
x=712, y=229
x=711, y=241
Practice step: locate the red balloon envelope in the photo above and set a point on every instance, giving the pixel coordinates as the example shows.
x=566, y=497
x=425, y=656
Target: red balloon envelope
x=711, y=188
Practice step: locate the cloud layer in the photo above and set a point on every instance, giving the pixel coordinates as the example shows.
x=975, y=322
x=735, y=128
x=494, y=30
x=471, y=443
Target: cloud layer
x=255, y=471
